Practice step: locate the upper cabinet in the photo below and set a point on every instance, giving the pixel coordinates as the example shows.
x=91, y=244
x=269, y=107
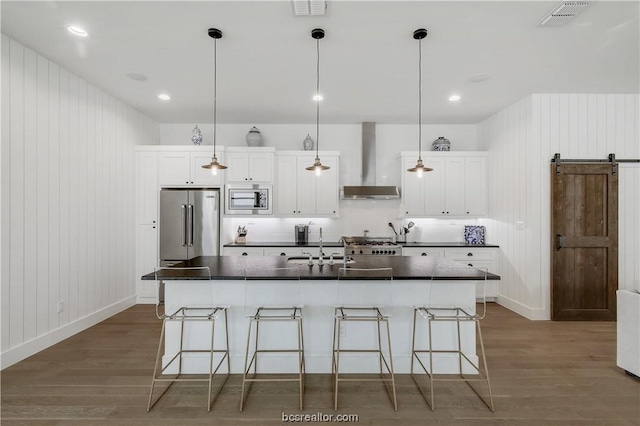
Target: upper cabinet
x=300, y=192
x=180, y=167
x=249, y=165
x=455, y=188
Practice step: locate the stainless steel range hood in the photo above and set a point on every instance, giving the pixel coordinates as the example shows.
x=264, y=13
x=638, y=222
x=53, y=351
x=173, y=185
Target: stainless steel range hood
x=369, y=190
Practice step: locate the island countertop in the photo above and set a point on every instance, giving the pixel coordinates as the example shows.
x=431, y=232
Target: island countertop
x=404, y=268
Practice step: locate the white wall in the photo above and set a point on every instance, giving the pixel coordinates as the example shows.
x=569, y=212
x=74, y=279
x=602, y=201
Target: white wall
x=67, y=202
x=355, y=216
x=521, y=141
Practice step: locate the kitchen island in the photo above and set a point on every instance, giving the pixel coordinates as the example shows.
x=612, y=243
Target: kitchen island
x=416, y=281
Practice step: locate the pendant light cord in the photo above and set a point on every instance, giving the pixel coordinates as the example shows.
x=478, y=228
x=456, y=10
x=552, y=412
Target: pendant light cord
x=317, y=94
x=420, y=100
x=215, y=92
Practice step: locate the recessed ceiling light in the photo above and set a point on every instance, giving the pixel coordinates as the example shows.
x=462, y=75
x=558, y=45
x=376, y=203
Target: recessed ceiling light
x=164, y=97
x=318, y=97
x=454, y=98
x=74, y=29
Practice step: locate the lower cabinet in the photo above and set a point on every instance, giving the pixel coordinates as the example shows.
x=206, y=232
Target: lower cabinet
x=243, y=251
x=474, y=257
x=283, y=251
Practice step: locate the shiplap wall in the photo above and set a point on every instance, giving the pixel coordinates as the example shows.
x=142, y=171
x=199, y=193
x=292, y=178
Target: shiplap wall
x=67, y=201
x=521, y=141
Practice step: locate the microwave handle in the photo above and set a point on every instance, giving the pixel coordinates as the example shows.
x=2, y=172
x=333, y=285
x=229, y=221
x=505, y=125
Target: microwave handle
x=256, y=198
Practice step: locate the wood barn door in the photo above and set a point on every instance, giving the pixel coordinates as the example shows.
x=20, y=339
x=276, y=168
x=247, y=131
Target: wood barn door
x=584, y=226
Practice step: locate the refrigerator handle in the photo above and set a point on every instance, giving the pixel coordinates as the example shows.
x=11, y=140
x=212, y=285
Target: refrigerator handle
x=190, y=224
x=184, y=225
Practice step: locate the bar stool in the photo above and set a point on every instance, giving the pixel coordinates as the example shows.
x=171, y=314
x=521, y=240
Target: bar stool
x=438, y=311
x=275, y=305
x=350, y=291
x=200, y=318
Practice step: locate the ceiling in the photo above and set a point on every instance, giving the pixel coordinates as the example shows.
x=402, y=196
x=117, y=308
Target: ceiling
x=369, y=59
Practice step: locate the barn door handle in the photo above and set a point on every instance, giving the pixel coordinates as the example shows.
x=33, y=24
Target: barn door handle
x=560, y=241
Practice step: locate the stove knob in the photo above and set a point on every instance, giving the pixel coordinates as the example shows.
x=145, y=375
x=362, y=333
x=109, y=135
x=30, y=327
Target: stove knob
x=353, y=252
x=384, y=251
x=393, y=252
x=361, y=252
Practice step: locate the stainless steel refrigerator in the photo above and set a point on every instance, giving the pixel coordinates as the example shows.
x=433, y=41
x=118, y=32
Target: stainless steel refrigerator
x=189, y=223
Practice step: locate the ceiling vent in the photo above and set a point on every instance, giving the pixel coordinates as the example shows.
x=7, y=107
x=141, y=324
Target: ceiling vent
x=563, y=13
x=309, y=7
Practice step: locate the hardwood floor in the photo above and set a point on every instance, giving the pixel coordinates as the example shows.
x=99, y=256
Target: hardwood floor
x=542, y=373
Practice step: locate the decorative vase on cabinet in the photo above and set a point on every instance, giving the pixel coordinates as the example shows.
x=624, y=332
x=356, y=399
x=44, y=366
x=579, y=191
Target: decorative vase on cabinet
x=307, y=143
x=196, y=136
x=254, y=137
x=441, y=144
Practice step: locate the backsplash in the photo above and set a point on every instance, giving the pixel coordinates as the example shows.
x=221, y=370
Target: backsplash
x=355, y=218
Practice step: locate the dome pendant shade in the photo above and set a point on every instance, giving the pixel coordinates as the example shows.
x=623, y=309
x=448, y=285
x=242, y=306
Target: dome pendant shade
x=317, y=34
x=419, y=168
x=214, y=166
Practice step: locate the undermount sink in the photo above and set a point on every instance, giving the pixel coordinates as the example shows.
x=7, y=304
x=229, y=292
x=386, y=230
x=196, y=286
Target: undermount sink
x=304, y=260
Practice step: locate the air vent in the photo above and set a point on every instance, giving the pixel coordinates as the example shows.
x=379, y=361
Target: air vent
x=309, y=7
x=563, y=13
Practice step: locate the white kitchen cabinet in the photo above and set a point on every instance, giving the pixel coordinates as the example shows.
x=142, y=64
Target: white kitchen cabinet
x=475, y=186
x=300, y=192
x=146, y=261
x=147, y=187
x=486, y=257
x=455, y=188
x=249, y=165
x=243, y=251
x=184, y=167
x=423, y=251
x=283, y=251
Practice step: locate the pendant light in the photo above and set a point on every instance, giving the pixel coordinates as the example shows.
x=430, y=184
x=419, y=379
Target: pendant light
x=317, y=166
x=419, y=167
x=214, y=166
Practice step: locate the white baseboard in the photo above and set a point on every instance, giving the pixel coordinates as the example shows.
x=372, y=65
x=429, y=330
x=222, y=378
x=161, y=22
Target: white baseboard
x=34, y=346
x=525, y=311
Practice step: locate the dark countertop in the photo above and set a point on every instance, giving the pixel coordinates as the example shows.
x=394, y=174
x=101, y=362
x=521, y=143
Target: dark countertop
x=448, y=245
x=338, y=244
x=272, y=244
x=261, y=267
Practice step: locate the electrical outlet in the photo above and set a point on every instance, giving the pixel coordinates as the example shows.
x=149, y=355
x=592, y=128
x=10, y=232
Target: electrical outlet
x=343, y=330
x=60, y=306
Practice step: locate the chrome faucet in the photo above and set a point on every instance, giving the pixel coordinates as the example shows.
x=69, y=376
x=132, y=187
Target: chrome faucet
x=320, y=260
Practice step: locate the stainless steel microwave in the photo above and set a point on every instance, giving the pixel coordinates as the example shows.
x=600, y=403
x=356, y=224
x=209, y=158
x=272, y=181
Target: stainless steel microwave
x=249, y=199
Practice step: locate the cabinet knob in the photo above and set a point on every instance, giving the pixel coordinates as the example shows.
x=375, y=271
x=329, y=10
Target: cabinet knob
x=246, y=179
x=245, y=254
x=187, y=182
x=470, y=264
x=469, y=254
x=442, y=212
x=447, y=212
x=192, y=182
x=283, y=254
x=467, y=212
x=154, y=227
x=154, y=221
x=424, y=254
x=250, y=178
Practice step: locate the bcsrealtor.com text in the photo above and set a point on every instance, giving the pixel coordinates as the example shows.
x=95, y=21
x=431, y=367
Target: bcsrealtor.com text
x=320, y=418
